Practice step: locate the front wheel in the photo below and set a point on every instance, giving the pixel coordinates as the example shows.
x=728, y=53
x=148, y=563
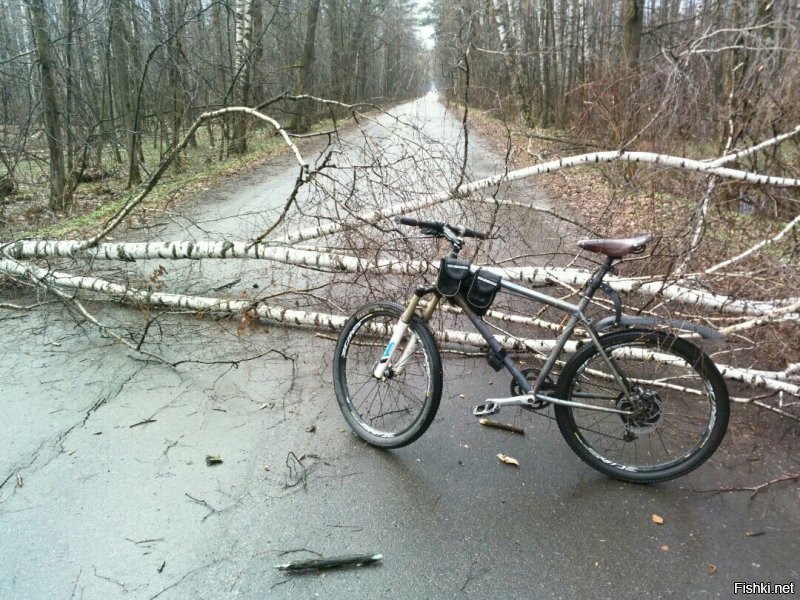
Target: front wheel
x=396, y=409
x=678, y=406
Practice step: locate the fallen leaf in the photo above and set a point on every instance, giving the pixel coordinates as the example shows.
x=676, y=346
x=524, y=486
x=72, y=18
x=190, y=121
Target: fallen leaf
x=213, y=460
x=665, y=548
x=657, y=520
x=712, y=569
x=508, y=460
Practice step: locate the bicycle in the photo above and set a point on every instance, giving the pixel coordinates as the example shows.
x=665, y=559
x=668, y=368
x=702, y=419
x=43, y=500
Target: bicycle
x=637, y=404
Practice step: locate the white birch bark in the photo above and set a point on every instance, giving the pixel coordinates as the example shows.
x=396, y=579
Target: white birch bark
x=548, y=167
x=318, y=320
x=204, y=249
x=717, y=162
x=350, y=264
x=151, y=298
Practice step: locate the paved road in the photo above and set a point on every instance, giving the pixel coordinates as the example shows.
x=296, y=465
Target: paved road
x=106, y=492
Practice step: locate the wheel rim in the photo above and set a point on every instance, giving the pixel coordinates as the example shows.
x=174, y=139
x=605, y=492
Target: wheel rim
x=673, y=409
x=390, y=407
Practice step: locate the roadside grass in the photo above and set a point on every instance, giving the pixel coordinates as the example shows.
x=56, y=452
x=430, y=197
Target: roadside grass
x=620, y=199
x=27, y=216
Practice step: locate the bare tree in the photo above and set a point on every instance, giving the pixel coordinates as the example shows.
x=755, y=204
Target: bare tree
x=59, y=194
x=301, y=122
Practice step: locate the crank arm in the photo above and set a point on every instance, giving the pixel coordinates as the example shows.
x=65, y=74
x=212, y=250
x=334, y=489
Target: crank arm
x=529, y=399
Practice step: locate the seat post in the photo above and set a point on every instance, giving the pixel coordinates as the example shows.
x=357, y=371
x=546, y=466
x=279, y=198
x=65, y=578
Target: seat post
x=597, y=278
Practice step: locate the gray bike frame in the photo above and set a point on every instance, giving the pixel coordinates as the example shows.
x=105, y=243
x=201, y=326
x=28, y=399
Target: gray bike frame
x=576, y=312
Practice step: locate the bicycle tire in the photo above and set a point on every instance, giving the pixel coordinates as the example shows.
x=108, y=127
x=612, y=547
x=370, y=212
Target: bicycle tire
x=682, y=409
x=396, y=410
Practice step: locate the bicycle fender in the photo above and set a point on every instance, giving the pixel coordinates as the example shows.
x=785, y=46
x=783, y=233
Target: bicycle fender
x=631, y=321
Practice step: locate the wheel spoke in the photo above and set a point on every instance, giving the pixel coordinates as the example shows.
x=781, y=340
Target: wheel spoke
x=670, y=404
x=396, y=409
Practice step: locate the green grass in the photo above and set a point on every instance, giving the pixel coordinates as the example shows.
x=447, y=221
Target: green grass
x=199, y=165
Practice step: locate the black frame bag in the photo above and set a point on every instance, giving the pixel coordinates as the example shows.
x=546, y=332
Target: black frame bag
x=479, y=289
x=482, y=291
x=453, y=273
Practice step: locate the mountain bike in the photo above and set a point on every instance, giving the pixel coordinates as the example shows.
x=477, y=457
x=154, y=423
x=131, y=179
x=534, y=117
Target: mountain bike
x=636, y=403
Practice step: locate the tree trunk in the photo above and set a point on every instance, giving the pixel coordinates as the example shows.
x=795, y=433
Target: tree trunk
x=244, y=39
x=548, y=67
x=357, y=56
x=632, y=24
x=59, y=197
x=302, y=118
x=506, y=28
x=71, y=12
x=121, y=50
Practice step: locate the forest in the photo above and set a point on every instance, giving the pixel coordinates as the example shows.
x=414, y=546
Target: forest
x=91, y=87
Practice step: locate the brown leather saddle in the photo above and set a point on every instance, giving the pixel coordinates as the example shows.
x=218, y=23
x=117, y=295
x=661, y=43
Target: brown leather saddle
x=617, y=247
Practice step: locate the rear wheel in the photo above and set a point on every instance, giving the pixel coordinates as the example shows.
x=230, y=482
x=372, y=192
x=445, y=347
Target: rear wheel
x=395, y=410
x=678, y=407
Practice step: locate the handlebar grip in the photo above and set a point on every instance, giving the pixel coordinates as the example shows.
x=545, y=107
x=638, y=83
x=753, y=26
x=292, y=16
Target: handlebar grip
x=417, y=223
x=467, y=232
x=436, y=226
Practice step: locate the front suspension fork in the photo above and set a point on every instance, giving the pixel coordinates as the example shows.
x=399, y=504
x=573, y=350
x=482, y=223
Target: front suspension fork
x=399, y=331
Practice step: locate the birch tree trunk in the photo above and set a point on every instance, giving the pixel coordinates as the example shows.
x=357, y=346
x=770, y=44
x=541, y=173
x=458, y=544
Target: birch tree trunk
x=244, y=40
x=198, y=250
x=768, y=380
x=508, y=43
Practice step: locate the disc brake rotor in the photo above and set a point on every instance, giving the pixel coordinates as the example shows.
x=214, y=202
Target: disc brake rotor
x=646, y=411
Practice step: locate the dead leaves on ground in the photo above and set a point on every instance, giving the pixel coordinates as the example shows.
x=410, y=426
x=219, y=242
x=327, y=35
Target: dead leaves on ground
x=508, y=460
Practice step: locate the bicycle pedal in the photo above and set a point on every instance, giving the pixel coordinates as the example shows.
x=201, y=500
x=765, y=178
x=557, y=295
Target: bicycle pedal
x=484, y=410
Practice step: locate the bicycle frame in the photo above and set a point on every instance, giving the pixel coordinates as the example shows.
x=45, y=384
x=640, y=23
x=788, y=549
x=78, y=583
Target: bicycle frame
x=532, y=394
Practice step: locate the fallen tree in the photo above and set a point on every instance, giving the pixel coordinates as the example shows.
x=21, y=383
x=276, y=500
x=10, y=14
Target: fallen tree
x=768, y=380
x=204, y=249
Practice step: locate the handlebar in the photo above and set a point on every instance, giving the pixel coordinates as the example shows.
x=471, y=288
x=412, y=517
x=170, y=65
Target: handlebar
x=437, y=228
